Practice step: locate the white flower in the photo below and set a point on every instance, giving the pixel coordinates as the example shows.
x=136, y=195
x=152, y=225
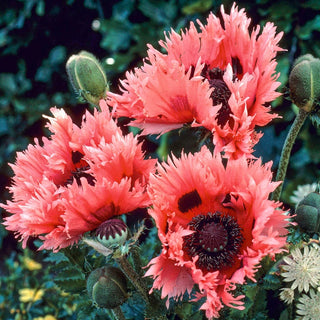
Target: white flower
x=302, y=192
x=287, y=295
x=309, y=306
x=303, y=269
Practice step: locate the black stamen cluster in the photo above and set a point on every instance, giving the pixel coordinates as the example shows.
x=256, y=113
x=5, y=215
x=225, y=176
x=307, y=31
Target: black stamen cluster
x=212, y=261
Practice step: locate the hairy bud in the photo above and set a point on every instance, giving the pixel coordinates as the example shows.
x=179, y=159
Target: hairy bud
x=112, y=232
x=87, y=77
x=304, y=82
x=308, y=213
x=107, y=287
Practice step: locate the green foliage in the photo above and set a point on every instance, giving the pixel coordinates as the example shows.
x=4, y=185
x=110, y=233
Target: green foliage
x=34, y=46
x=17, y=273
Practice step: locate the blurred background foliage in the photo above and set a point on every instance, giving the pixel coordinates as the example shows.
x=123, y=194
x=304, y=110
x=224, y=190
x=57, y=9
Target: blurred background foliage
x=37, y=37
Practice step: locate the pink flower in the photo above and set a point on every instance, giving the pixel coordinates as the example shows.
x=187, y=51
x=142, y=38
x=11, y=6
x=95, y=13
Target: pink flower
x=221, y=78
x=75, y=180
x=215, y=224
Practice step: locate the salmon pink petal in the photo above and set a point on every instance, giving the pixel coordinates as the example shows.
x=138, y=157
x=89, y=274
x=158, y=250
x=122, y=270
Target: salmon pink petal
x=77, y=179
x=218, y=75
x=215, y=223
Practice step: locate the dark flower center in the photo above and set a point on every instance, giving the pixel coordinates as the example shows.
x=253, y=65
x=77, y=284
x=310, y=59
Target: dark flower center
x=81, y=168
x=221, y=92
x=81, y=173
x=189, y=201
x=76, y=157
x=216, y=241
x=213, y=237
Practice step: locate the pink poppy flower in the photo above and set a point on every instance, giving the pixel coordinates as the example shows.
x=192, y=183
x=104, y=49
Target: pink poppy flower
x=221, y=77
x=75, y=180
x=215, y=224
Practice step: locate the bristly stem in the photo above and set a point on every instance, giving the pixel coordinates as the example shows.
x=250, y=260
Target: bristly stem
x=118, y=314
x=135, y=252
x=134, y=277
x=286, y=151
x=151, y=300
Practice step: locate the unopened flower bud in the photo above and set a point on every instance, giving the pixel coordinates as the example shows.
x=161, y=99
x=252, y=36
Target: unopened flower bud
x=107, y=287
x=304, y=82
x=112, y=232
x=305, y=57
x=87, y=76
x=308, y=213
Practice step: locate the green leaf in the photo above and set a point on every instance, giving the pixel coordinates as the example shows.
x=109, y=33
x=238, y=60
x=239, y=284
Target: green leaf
x=86, y=311
x=69, y=273
x=3, y=38
x=305, y=32
x=315, y=118
x=69, y=278
x=72, y=286
x=116, y=36
x=4, y=127
x=43, y=74
x=76, y=256
x=8, y=83
x=312, y=4
x=271, y=282
x=40, y=8
x=284, y=315
x=184, y=310
x=134, y=307
x=282, y=9
x=162, y=12
x=296, y=236
x=56, y=258
x=57, y=55
x=199, y=6
x=121, y=63
x=122, y=10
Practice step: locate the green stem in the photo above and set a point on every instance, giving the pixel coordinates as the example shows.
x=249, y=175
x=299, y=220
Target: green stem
x=290, y=311
x=135, y=251
x=286, y=151
x=162, y=150
x=118, y=314
x=152, y=302
x=134, y=277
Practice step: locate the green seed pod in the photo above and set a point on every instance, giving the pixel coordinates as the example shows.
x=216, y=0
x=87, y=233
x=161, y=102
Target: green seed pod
x=107, y=287
x=308, y=213
x=305, y=57
x=112, y=232
x=304, y=82
x=87, y=77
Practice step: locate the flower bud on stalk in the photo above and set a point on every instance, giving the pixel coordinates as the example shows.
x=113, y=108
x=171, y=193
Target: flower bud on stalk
x=87, y=77
x=308, y=213
x=107, y=287
x=304, y=82
x=112, y=232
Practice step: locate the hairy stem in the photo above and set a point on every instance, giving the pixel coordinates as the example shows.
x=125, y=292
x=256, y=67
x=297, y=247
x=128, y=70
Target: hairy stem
x=118, y=314
x=135, y=251
x=153, y=302
x=134, y=277
x=286, y=151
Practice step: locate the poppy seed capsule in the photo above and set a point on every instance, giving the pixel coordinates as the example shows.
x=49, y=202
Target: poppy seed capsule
x=304, y=82
x=308, y=213
x=112, y=232
x=87, y=76
x=107, y=287
x=305, y=57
